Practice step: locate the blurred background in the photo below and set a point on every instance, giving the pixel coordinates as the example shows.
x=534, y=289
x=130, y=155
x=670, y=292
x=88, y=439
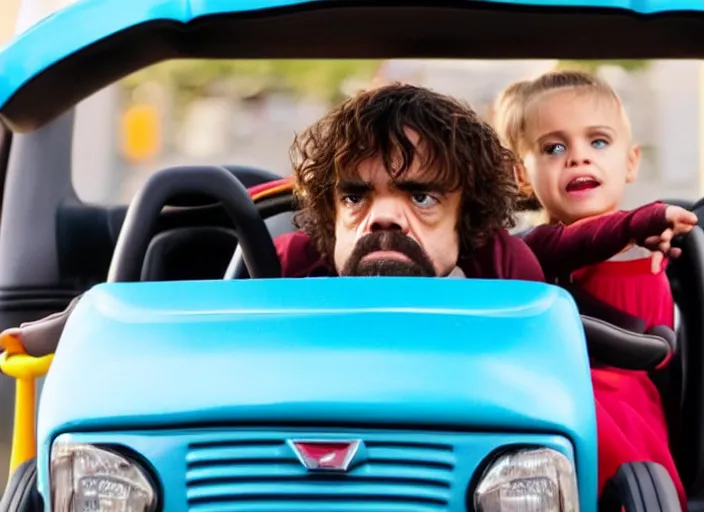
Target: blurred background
x=246, y=112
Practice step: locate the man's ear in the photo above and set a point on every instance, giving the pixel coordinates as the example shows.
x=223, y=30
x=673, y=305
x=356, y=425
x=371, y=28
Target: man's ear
x=633, y=163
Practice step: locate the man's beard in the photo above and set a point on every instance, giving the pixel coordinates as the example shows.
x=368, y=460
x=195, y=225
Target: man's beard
x=418, y=263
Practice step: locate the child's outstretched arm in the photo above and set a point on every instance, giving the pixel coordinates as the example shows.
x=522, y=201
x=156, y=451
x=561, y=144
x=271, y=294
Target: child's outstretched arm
x=563, y=249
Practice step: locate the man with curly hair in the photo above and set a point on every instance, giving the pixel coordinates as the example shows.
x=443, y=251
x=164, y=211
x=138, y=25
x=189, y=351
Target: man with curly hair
x=396, y=181
x=403, y=181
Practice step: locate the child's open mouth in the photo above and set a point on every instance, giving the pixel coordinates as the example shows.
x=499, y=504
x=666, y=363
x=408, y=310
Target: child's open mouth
x=582, y=184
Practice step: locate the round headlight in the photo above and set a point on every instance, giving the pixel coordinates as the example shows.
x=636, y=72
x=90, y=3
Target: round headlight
x=536, y=480
x=86, y=477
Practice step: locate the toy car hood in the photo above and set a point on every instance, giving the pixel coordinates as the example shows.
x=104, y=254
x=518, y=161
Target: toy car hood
x=445, y=353
x=90, y=44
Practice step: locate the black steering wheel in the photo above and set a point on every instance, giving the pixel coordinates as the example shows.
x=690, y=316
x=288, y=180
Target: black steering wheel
x=257, y=247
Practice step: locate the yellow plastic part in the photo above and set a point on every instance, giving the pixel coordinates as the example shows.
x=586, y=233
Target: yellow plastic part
x=25, y=369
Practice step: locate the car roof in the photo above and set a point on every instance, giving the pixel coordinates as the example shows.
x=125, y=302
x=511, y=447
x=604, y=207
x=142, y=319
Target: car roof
x=89, y=44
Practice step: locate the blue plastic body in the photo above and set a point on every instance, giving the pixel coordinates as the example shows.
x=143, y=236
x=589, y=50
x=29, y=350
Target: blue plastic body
x=88, y=21
x=430, y=369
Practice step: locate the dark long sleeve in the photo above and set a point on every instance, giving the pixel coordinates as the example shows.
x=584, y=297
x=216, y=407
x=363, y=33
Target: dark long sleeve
x=563, y=249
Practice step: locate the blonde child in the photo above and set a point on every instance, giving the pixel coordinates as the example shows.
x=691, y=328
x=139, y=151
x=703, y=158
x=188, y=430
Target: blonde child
x=573, y=139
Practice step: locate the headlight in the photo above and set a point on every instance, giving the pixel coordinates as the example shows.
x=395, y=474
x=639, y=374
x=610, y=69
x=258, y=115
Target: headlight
x=87, y=478
x=536, y=480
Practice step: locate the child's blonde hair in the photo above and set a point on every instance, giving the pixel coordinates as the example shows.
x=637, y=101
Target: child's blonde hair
x=506, y=112
x=506, y=108
x=510, y=112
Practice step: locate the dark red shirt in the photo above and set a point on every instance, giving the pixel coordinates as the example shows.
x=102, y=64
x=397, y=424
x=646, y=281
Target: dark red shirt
x=579, y=253
x=562, y=249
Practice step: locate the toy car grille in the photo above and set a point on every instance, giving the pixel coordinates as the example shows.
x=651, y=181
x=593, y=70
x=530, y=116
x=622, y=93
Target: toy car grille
x=265, y=475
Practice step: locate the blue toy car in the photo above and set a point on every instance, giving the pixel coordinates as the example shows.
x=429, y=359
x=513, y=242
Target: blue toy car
x=261, y=394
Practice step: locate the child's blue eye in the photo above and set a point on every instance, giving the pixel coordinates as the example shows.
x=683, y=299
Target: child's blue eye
x=599, y=144
x=555, y=149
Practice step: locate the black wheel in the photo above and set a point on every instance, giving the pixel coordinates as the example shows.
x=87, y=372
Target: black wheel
x=640, y=487
x=21, y=493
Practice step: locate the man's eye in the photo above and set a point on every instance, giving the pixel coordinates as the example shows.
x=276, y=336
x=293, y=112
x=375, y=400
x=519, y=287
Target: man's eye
x=600, y=143
x=424, y=200
x=555, y=149
x=352, y=199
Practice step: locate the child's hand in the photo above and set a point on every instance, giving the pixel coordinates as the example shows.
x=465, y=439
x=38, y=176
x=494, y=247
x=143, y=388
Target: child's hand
x=681, y=221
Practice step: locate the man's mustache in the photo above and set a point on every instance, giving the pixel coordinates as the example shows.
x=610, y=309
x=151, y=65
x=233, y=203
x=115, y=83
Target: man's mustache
x=419, y=263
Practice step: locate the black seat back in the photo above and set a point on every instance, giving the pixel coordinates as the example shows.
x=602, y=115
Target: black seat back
x=192, y=253
x=198, y=252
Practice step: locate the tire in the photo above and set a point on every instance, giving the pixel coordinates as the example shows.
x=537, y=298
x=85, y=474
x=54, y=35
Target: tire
x=21, y=493
x=640, y=487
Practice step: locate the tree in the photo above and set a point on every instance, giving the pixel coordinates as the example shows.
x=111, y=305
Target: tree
x=196, y=78
x=593, y=65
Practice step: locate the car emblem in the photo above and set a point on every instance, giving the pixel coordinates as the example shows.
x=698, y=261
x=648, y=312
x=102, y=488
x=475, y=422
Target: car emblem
x=325, y=455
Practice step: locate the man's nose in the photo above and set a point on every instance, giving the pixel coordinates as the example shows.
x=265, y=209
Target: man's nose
x=387, y=214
